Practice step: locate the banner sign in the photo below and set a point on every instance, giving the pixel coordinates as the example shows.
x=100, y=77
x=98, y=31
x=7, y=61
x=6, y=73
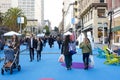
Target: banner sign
x=20, y=20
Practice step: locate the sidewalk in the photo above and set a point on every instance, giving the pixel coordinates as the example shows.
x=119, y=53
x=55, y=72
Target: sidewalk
x=101, y=45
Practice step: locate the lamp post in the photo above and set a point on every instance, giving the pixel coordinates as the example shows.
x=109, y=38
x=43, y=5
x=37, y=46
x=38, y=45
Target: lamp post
x=63, y=14
x=103, y=34
x=110, y=32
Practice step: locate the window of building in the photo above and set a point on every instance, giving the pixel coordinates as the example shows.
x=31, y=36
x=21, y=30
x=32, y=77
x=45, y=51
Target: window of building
x=102, y=1
x=91, y=15
x=100, y=34
x=88, y=17
x=75, y=9
x=75, y=2
x=101, y=12
x=83, y=19
x=99, y=24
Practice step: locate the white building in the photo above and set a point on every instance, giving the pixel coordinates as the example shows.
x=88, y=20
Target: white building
x=68, y=10
x=5, y=5
x=33, y=9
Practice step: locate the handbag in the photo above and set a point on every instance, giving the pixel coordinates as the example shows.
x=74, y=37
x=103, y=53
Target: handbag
x=72, y=48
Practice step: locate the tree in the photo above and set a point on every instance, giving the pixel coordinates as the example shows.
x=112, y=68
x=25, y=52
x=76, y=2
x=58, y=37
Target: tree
x=56, y=29
x=10, y=19
x=47, y=30
x=1, y=18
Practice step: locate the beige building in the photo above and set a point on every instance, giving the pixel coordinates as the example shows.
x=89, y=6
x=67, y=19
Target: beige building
x=68, y=14
x=116, y=26
x=77, y=17
x=93, y=18
x=114, y=6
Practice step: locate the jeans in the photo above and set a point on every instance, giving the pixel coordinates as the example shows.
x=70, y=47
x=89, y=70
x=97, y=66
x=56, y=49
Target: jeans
x=86, y=59
x=68, y=60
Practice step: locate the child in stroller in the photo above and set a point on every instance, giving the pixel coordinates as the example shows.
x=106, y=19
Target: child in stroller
x=10, y=61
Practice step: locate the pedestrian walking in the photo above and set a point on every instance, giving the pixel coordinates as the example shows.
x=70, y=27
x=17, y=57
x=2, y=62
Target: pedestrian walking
x=65, y=52
x=51, y=41
x=86, y=51
x=32, y=44
x=59, y=41
x=39, y=48
x=16, y=46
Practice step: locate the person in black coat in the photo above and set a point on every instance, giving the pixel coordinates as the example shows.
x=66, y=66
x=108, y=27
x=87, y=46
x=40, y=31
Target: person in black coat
x=32, y=44
x=51, y=41
x=39, y=48
x=65, y=52
x=59, y=41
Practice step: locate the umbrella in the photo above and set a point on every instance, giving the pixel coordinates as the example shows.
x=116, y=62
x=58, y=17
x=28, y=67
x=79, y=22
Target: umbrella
x=11, y=33
x=40, y=35
x=68, y=33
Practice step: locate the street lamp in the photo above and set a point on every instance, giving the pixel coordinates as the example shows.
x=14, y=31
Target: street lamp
x=110, y=32
x=63, y=13
x=103, y=24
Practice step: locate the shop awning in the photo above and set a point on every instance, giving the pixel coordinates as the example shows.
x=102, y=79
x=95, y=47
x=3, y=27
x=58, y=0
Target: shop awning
x=117, y=28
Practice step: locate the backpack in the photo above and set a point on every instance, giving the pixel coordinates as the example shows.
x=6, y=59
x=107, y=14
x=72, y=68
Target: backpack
x=72, y=48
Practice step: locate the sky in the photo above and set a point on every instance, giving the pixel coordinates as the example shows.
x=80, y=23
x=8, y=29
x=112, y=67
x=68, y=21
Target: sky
x=53, y=11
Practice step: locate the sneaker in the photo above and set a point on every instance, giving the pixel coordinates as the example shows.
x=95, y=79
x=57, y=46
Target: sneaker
x=69, y=68
x=30, y=60
x=85, y=68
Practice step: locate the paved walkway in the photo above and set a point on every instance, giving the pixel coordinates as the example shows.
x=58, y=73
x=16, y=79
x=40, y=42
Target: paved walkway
x=50, y=69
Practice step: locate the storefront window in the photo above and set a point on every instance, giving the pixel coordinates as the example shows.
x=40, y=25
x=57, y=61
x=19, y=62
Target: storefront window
x=102, y=1
x=117, y=37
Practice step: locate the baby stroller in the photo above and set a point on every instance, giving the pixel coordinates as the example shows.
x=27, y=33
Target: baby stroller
x=10, y=61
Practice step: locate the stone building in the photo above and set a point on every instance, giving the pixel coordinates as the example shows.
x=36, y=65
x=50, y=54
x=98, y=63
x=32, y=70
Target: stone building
x=93, y=19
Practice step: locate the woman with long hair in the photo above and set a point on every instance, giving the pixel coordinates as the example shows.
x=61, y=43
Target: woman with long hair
x=86, y=51
x=16, y=46
x=65, y=52
x=39, y=48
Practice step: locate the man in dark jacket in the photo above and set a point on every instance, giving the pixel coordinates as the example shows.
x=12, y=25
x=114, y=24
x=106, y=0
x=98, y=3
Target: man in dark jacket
x=32, y=44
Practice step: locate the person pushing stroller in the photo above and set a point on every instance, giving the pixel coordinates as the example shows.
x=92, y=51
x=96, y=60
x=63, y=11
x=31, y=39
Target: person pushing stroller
x=10, y=61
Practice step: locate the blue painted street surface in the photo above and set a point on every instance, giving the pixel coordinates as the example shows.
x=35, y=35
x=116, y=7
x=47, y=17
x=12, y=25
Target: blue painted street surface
x=50, y=69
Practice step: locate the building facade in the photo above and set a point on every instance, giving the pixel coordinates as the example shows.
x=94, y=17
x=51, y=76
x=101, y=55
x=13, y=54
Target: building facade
x=33, y=9
x=114, y=6
x=68, y=14
x=76, y=14
x=93, y=19
x=5, y=5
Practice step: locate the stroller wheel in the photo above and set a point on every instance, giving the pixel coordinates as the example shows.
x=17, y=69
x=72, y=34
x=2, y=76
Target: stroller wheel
x=11, y=70
x=2, y=71
x=6, y=70
x=19, y=67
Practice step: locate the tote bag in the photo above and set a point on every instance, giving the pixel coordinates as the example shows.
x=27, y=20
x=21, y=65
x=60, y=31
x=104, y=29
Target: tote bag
x=91, y=59
x=61, y=58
